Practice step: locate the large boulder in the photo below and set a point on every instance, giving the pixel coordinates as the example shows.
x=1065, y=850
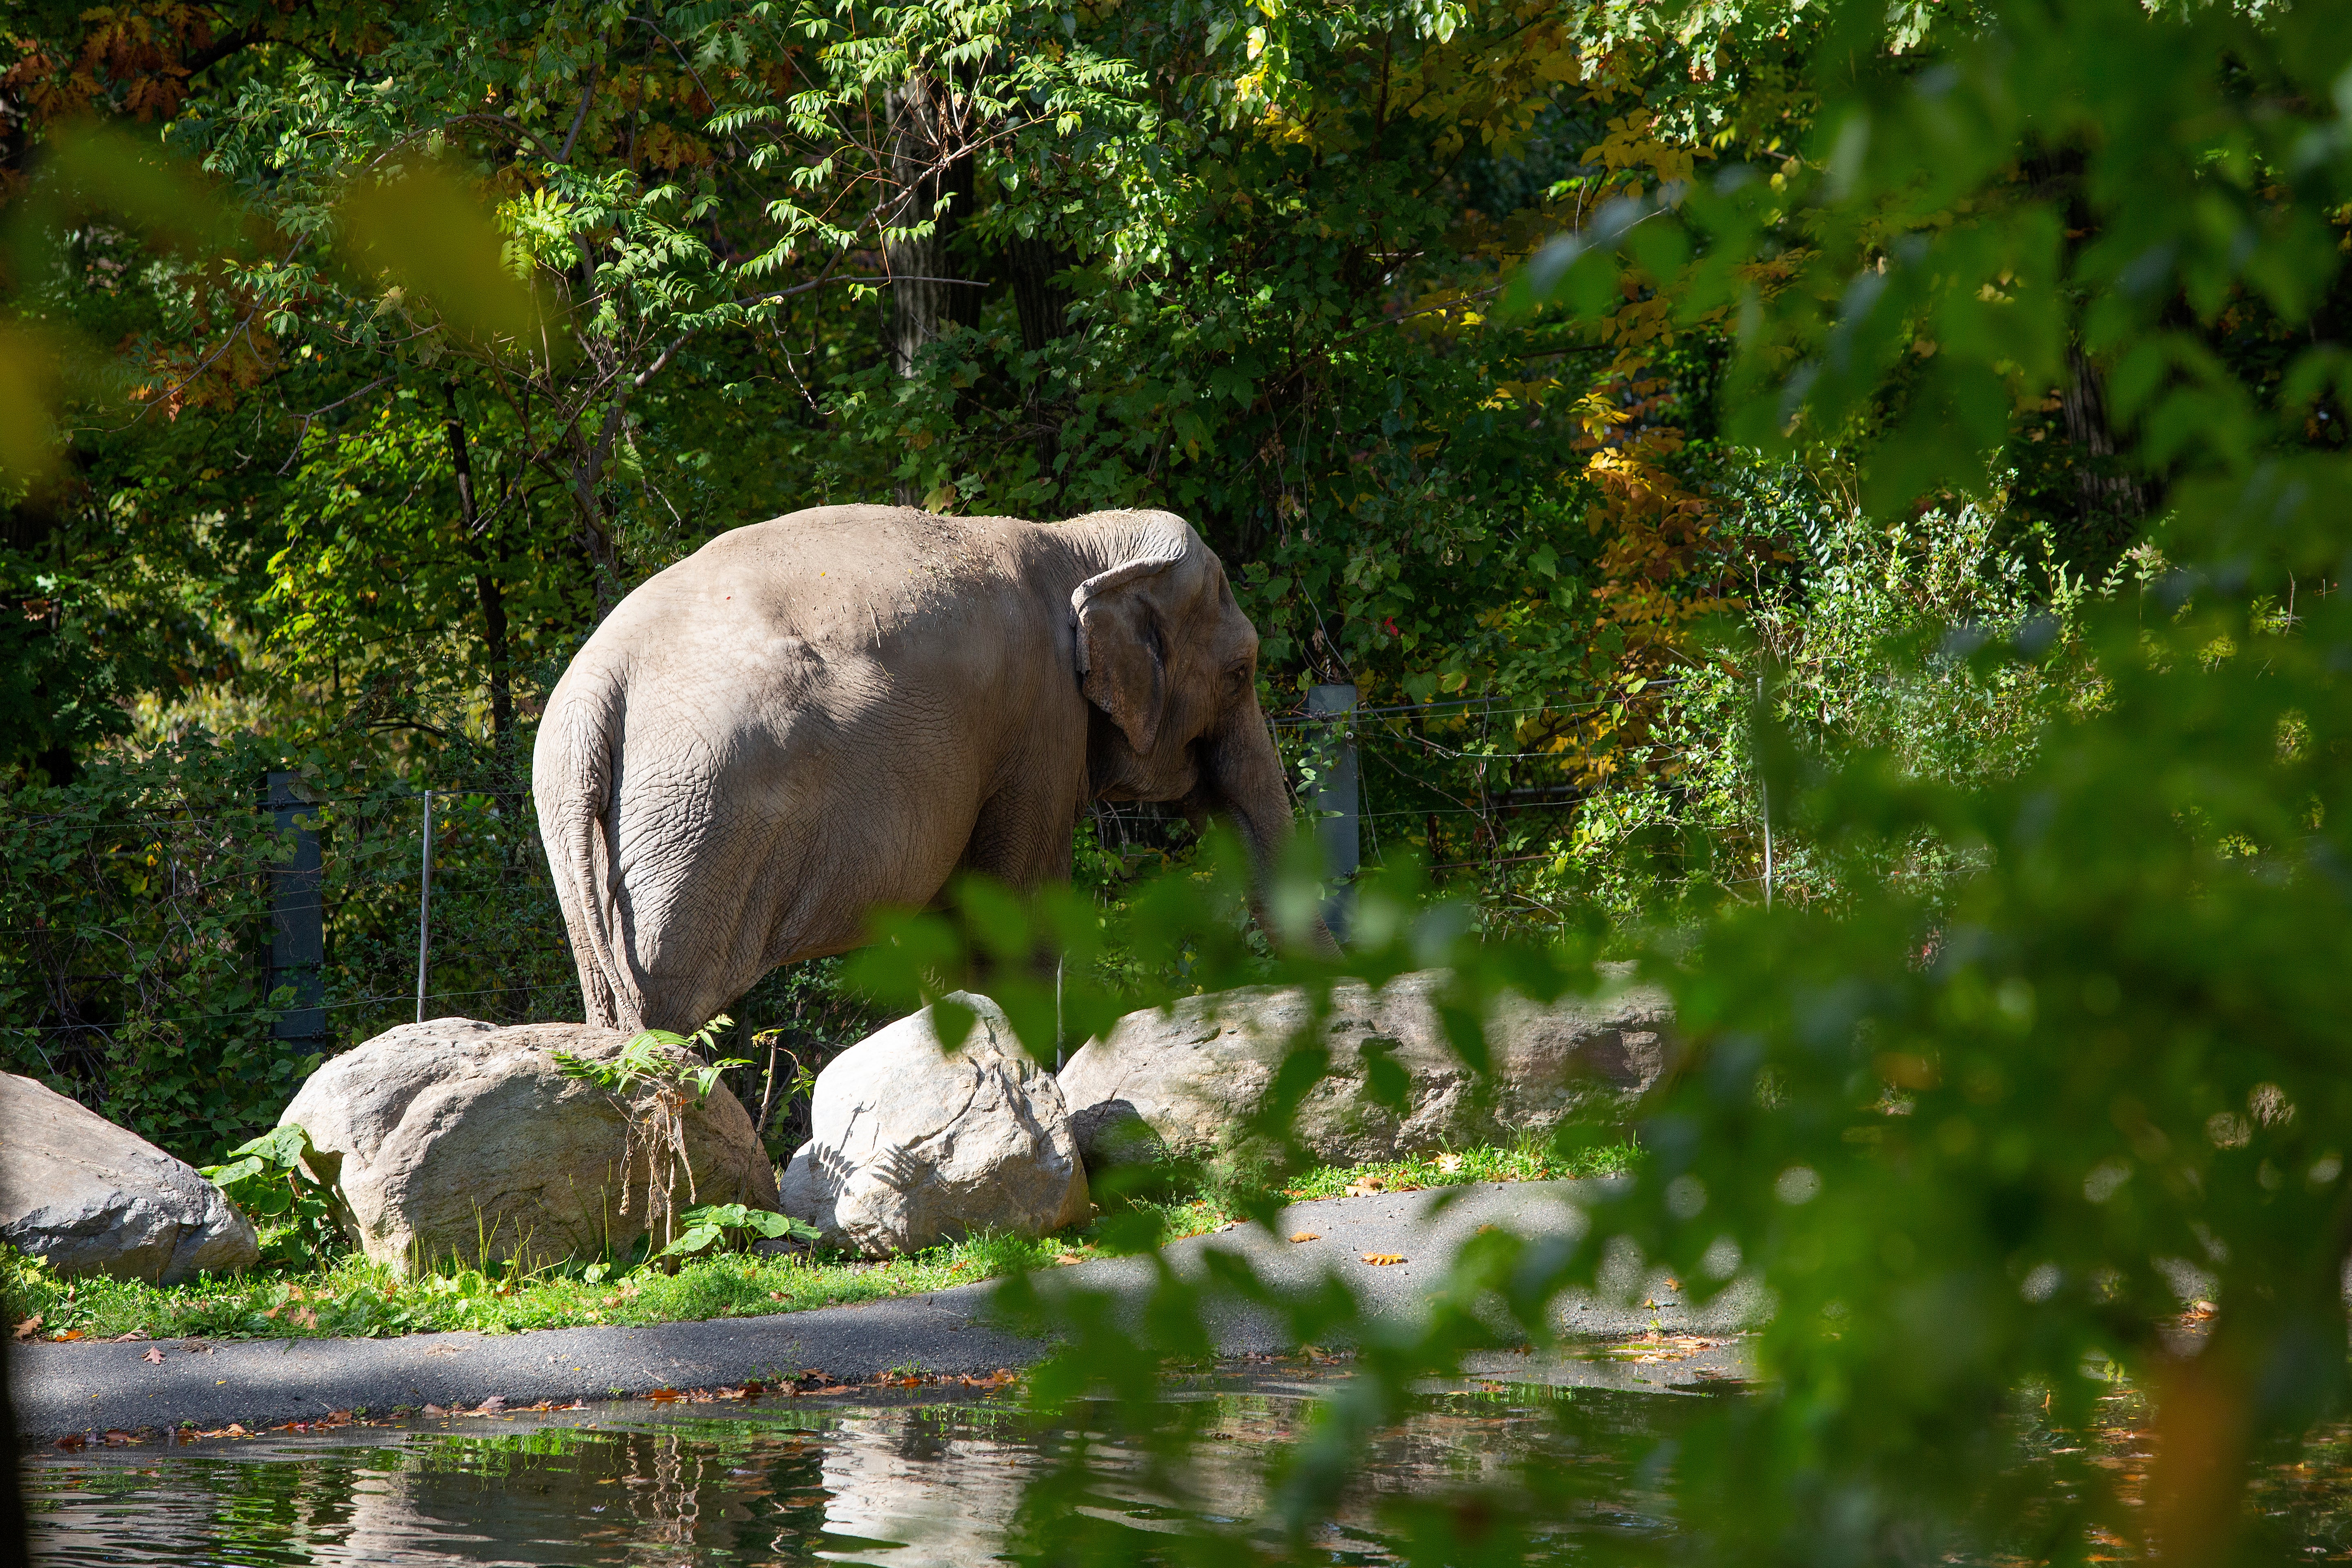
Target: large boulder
x=911, y=1145
x=93, y=1198
x=1183, y=1082
x=460, y=1139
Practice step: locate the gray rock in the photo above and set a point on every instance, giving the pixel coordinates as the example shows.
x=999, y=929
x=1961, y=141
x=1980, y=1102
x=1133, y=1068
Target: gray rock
x=911, y=1146
x=459, y=1140
x=1185, y=1081
x=93, y=1198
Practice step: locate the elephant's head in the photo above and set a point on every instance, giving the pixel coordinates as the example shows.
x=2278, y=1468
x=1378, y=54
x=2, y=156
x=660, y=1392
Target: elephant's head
x=1169, y=662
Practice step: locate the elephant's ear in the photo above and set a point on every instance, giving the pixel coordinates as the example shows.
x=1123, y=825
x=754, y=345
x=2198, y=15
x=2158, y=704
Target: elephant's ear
x=1120, y=655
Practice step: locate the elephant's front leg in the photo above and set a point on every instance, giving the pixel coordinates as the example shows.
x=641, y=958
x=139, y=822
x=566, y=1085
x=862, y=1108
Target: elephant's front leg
x=1023, y=842
x=1022, y=839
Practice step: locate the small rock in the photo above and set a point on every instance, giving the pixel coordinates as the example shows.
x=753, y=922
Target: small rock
x=1182, y=1081
x=94, y=1198
x=911, y=1146
x=459, y=1139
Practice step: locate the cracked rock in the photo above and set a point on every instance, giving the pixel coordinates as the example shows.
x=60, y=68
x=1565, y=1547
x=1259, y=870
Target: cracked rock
x=911, y=1145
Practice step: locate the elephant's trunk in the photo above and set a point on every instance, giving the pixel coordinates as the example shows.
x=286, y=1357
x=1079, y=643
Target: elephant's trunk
x=1246, y=778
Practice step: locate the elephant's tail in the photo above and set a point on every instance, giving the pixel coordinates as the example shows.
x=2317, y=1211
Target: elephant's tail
x=608, y=985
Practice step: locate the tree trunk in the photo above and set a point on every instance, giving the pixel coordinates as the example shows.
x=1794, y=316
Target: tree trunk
x=1044, y=305
x=930, y=162
x=2102, y=489
x=1044, y=310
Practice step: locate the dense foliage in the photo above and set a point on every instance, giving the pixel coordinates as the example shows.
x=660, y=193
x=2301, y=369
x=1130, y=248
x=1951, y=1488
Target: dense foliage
x=1850, y=496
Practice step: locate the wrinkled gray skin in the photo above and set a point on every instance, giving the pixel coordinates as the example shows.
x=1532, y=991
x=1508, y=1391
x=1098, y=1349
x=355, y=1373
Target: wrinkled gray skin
x=846, y=706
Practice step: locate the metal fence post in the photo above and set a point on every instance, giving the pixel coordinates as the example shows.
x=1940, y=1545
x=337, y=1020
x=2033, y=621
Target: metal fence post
x=425, y=907
x=1764, y=787
x=1336, y=827
x=298, y=926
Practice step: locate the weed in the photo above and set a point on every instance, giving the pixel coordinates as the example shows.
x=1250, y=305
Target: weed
x=652, y=1086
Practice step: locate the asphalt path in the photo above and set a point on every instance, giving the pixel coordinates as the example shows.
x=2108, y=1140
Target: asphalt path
x=91, y=1386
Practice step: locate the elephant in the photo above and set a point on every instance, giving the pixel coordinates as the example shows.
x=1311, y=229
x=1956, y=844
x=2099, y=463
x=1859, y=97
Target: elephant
x=846, y=706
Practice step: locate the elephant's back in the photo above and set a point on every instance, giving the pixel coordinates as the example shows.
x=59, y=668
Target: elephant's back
x=839, y=625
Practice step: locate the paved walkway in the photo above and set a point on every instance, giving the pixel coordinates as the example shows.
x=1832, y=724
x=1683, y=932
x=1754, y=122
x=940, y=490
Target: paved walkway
x=91, y=1386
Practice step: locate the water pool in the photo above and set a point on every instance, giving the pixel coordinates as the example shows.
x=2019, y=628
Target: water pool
x=928, y=1479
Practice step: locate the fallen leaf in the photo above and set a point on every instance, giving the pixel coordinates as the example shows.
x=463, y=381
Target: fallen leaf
x=836, y=1388
x=29, y=1327
x=665, y=1394
x=235, y=1430
x=1305, y=1235
x=73, y=1440
x=1367, y=1187
x=130, y=1338
x=435, y=1410
x=492, y=1406
x=1449, y=1163
x=154, y=1355
x=1382, y=1260
x=67, y=1335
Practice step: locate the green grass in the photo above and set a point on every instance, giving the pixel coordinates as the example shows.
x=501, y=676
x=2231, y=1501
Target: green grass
x=283, y=1298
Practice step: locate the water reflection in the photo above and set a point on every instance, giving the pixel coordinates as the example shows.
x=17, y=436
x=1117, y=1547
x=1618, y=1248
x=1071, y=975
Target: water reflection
x=935, y=1482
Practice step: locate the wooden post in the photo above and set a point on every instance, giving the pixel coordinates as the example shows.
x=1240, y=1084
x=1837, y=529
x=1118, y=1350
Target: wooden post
x=298, y=927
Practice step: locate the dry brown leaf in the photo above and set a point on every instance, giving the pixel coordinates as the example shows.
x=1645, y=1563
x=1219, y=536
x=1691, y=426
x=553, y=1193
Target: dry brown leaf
x=1382, y=1260
x=154, y=1356
x=29, y=1327
x=1305, y=1235
x=1449, y=1163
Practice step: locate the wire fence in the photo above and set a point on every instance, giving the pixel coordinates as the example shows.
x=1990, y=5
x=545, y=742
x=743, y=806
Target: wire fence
x=136, y=927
